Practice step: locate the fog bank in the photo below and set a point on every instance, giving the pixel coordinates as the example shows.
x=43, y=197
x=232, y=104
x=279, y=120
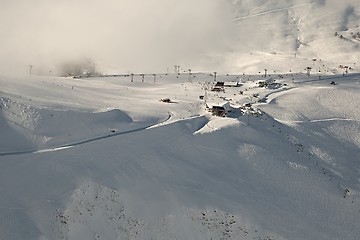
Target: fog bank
x=123, y=36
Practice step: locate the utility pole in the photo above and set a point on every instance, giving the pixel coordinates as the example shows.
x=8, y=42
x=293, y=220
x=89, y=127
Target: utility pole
x=205, y=93
x=265, y=71
x=132, y=77
x=154, y=77
x=142, y=76
x=190, y=79
x=215, y=76
x=30, y=69
x=177, y=69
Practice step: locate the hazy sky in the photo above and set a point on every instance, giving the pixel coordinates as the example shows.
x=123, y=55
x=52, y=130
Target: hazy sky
x=123, y=35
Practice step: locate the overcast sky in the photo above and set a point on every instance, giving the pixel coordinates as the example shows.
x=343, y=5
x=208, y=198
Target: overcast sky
x=123, y=35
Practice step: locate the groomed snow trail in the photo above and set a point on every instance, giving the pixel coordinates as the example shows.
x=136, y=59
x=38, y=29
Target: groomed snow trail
x=74, y=144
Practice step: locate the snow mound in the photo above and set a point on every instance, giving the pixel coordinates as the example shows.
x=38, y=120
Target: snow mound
x=31, y=128
x=101, y=213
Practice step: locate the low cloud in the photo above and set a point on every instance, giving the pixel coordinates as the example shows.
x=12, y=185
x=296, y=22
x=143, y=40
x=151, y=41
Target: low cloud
x=124, y=36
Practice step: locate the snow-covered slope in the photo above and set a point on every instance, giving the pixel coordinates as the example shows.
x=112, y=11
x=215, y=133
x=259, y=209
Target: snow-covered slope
x=111, y=158
x=272, y=32
x=103, y=158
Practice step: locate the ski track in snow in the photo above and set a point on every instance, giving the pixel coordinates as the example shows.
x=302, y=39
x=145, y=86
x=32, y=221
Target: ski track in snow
x=71, y=145
x=272, y=11
x=323, y=78
x=318, y=120
x=69, y=191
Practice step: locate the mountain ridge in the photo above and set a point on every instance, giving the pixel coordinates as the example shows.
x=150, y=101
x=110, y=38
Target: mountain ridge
x=305, y=30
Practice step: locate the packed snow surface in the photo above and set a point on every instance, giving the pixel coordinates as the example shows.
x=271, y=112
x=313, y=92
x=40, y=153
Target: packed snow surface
x=256, y=155
x=107, y=158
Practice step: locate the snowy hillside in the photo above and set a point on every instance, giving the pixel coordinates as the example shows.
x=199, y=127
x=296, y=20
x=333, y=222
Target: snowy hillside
x=266, y=148
x=103, y=158
x=273, y=32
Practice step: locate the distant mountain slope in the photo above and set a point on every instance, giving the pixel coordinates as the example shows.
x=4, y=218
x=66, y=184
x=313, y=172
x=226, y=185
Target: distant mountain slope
x=326, y=29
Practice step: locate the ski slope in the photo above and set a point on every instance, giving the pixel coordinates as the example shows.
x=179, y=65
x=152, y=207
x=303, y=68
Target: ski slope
x=285, y=35
x=103, y=158
x=110, y=158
